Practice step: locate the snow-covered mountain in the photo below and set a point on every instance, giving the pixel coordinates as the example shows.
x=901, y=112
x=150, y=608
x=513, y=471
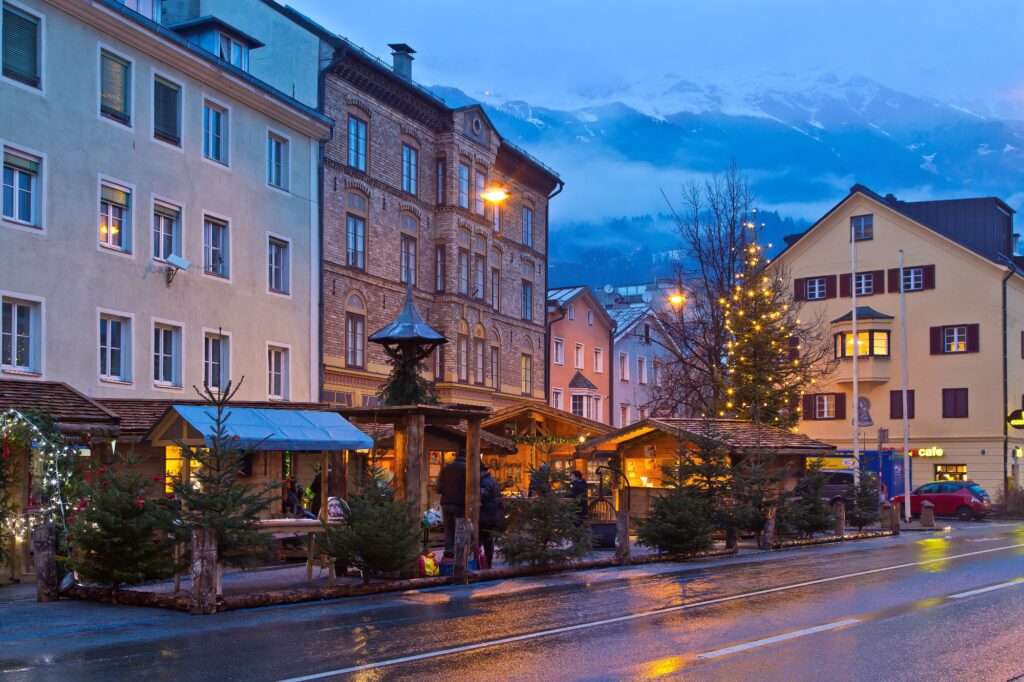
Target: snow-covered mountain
x=803, y=141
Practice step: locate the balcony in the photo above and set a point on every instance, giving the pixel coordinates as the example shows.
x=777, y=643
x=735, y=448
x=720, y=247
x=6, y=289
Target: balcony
x=871, y=369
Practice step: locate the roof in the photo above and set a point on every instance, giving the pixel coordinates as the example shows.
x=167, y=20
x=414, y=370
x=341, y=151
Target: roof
x=491, y=443
x=72, y=411
x=265, y=429
x=138, y=416
x=408, y=326
x=563, y=295
x=626, y=318
x=864, y=312
x=520, y=409
x=217, y=22
x=580, y=381
x=736, y=435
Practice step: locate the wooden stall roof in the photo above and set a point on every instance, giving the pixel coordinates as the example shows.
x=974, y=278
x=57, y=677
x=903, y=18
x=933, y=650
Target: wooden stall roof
x=451, y=414
x=139, y=416
x=490, y=443
x=73, y=413
x=526, y=408
x=735, y=434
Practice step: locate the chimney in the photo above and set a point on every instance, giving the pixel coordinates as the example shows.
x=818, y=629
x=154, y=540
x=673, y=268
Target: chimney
x=403, y=56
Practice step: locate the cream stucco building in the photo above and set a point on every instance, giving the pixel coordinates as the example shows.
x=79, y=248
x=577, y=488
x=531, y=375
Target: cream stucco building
x=130, y=149
x=965, y=330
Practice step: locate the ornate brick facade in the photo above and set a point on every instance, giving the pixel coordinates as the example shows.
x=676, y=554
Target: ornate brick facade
x=387, y=132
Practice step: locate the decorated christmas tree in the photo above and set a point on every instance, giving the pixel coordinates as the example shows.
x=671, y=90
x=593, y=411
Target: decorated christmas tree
x=679, y=521
x=864, y=501
x=546, y=527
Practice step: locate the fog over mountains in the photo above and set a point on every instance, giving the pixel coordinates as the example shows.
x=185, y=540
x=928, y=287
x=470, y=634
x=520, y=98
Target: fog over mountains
x=802, y=141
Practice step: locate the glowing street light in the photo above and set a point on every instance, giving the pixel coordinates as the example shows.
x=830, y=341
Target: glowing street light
x=495, y=195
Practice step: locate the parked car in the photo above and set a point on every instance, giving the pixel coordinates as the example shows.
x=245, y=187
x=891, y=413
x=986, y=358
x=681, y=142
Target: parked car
x=965, y=500
x=837, y=485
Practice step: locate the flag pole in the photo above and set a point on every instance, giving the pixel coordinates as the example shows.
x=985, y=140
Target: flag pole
x=906, y=415
x=856, y=353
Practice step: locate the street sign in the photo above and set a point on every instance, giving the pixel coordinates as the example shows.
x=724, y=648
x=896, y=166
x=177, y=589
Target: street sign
x=1016, y=419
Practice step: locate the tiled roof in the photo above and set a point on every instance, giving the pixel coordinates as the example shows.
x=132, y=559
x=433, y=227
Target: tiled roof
x=138, y=416
x=71, y=410
x=864, y=312
x=563, y=295
x=735, y=434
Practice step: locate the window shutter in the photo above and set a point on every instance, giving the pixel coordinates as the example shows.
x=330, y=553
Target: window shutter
x=878, y=286
x=165, y=110
x=21, y=47
x=894, y=281
x=21, y=163
x=928, y=275
x=794, y=348
x=830, y=286
x=1022, y=345
x=895, y=404
x=808, y=406
x=114, y=86
x=799, y=289
x=935, y=337
x=166, y=211
x=973, y=341
x=840, y=405
x=844, y=285
x=910, y=404
x=112, y=195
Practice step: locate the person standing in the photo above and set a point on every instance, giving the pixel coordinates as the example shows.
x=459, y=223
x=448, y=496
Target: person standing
x=578, y=491
x=452, y=486
x=492, y=512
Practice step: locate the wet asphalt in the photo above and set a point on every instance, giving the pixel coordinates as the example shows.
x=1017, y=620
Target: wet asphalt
x=876, y=609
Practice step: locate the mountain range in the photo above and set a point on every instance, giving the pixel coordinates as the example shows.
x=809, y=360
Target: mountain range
x=625, y=152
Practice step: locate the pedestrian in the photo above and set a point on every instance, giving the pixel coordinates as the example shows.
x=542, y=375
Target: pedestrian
x=452, y=486
x=578, y=492
x=492, y=512
x=314, y=504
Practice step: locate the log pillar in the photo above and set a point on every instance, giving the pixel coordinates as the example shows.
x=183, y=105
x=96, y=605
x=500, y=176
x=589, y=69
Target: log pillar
x=840, y=518
x=767, y=539
x=622, y=537
x=894, y=519
x=401, y=456
x=416, y=472
x=44, y=546
x=473, y=481
x=325, y=469
x=338, y=473
x=460, y=569
x=203, y=590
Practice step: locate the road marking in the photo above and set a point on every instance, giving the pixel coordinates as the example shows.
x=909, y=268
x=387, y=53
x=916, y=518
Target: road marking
x=632, y=616
x=990, y=588
x=778, y=638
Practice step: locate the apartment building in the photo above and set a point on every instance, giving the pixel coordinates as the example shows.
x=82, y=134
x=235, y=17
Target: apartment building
x=581, y=334
x=640, y=349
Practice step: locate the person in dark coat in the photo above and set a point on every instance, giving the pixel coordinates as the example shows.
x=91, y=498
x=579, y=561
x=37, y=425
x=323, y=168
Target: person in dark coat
x=578, y=491
x=452, y=486
x=492, y=512
x=314, y=504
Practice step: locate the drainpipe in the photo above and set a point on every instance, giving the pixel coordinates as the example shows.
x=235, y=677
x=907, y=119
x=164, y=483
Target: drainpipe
x=1006, y=382
x=611, y=379
x=547, y=323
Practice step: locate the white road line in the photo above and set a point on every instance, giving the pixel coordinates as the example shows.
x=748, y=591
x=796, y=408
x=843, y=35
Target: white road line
x=990, y=588
x=778, y=638
x=632, y=616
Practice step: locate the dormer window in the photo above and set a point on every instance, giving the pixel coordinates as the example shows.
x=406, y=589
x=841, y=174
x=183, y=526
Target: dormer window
x=234, y=52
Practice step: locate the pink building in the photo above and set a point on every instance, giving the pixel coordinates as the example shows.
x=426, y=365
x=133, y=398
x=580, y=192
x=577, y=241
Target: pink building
x=579, y=354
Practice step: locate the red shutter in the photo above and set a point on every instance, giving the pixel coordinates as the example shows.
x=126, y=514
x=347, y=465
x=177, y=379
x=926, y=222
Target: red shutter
x=844, y=285
x=896, y=404
x=799, y=289
x=894, y=280
x=1022, y=345
x=830, y=286
x=910, y=404
x=973, y=342
x=878, y=286
x=808, y=406
x=935, y=335
x=840, y=405
x=928, y=276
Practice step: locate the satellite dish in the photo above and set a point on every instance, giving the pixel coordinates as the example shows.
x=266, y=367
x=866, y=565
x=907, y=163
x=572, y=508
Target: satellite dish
x=609, y=289
x=647, y=297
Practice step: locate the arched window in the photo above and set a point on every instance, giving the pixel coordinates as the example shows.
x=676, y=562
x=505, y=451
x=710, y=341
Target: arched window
x=462, y=351
x=409, y=226
x=355, y=332
x=526, y=367
x=479, y=355
x=356, y=213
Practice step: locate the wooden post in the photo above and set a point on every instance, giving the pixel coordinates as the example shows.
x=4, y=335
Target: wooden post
x=840, y=518
x=338, y=473
x=416, y=470
x=44, y=546
x=203, y=593
x=343, y=490
x=622, y=537
x=473, y=481
x=927, y=514
x=401, y=456
x=767, y=539
x=894, y=519
x=325, y=467
x=460, y=569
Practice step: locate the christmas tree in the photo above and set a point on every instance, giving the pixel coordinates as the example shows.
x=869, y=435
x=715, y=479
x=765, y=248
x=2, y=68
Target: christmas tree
x=545, y=528
x=217, y=498
x=864, y=501
x=120, y=537
x=812, y=514
x=405, y=384
x=679, y=521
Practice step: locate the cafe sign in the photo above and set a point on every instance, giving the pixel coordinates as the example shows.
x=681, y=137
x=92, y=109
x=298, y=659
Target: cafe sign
x=927, y=452
x=1016, y=419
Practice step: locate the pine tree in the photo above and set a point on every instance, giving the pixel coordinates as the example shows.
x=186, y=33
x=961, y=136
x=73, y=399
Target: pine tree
x=679, y=521
x=812, y=513
x=405, y=385
x=863, y=501
x=217, y=498
x=121, y=536
x=756, y=491
x=705, y=471
x=544, y=528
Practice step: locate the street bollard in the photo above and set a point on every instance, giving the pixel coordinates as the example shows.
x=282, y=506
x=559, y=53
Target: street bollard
x=463, y=535
x=44, y=547
x=840, y=509
x=927, y=514
x=894, y=519
x=202, y=596
x=622, y=537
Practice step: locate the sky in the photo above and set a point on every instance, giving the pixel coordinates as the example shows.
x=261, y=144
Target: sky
x=559, y=52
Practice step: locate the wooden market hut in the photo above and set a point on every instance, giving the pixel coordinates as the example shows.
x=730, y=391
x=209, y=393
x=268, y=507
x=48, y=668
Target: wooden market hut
x=641, y=449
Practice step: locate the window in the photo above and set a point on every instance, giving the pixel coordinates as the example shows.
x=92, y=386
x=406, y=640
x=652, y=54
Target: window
x=815, y=288
x=115, y=340
x=624, y=415
x=233, y=52
x=590, y=318
x=442, y=182
x=463, y=185
x=478, y=362
x=913, y=279
x=463, y=271
x=580, y=405
x=624, y=366
x=439, y=268
x=527, y=300
x=577, y=356
x=862, y=227
x=166, y=355
x=21, y=188
x=954, y=403
x=954, y=339
x=526, y=369
x=357, y=143
x=873, y=343
x=950, y=472
x=558, y=352
x=825, y=406
x=481, y=186
x=215, y=248
x=167, y=111
x=19, y=335
x=407, y=258
x=641, y=369
x=277, y=161
x=462, y=359
x=166, y=231
x=409, y=169
x=215, y=361
x=115, y=88
x=496, y=289
x=21, y=39
x=864, y=283
x=527, y=226
x=495, y=368
x=896, y=404
x=277, y=373
x=355, y=231
x=599, y=361
x=215, y=133
x=278, y=265
x=556, y=398
x=355, y=340
x=479, y=267
x=115, y=214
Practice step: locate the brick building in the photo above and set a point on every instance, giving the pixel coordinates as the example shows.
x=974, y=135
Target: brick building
x=402, y=183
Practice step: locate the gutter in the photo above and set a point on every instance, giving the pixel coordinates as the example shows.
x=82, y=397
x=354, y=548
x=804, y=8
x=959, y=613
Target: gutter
x=1006, y=435
x=547, y=322
x=611, y=378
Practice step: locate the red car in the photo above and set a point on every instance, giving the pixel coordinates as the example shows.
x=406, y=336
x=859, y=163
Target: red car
x=965, y=500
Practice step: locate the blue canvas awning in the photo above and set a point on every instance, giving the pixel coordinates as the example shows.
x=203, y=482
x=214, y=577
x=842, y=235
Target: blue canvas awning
x=273, y=429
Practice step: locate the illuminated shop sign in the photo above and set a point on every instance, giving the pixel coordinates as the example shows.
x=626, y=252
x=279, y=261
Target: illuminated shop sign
x=927, y=452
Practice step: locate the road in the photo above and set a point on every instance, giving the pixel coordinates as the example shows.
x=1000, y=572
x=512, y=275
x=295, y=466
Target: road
x=943, y=605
